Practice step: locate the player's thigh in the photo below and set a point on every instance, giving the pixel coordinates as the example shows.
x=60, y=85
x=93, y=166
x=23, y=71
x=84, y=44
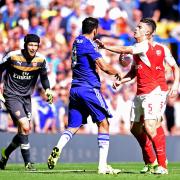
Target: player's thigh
x=136, y=110
x=96, y=105
x=150, y=127
x=151, y=105
x=163, y=102
x=77, y=114
x=15, y=107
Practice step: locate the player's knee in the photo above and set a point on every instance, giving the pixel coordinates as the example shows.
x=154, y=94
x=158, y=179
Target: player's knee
x=26, y=130
x=103, y=126
x=150, y=130
x=24, y=126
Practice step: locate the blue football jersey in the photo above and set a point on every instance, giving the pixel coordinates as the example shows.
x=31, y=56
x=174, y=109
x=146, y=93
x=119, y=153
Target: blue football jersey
x=84, y=55
x=45, y=112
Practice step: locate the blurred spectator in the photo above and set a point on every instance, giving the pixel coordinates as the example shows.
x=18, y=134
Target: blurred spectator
x=106, y=24
x=172, y=114
x=120, y=108
x=176, y=129
x=169, y=113
x=150, y=8
x=23, y=20
x=10, y=15
x=35, y=27
x=131, y=7
x=169, y=10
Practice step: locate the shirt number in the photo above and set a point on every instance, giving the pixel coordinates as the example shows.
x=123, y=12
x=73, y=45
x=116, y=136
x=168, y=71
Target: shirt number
x=74, y=56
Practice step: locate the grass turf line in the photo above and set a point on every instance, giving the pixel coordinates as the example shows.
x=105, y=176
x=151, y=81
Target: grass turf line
x=87, y=171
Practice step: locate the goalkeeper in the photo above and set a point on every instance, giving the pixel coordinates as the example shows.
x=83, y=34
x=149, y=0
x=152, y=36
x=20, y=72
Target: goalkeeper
x=22, y=68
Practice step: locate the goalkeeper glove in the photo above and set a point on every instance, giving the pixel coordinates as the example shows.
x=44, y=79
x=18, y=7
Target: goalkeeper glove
x=1, y=100
x=49, y=95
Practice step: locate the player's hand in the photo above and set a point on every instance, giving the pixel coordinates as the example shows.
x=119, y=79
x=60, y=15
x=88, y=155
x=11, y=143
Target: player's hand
x=118, y=76
x=99, y=43
x=173, y=93
x=49, y=95
x=117, y=83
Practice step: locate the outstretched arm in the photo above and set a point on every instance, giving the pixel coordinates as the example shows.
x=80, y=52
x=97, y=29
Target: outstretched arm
x=115, y=49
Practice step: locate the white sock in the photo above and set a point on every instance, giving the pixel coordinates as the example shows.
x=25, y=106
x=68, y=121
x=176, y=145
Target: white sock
x=64, y=139
x=103, y=142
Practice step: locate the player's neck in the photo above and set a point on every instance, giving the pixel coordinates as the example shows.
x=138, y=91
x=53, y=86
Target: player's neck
x=141, y=39
x=89, y=36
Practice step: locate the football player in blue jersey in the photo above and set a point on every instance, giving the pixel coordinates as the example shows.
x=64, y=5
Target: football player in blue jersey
x=85, y=96
x=22, y=68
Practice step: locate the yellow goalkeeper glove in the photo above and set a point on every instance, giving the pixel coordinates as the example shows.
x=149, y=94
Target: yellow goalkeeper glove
x=49, y=94
x=1, y=100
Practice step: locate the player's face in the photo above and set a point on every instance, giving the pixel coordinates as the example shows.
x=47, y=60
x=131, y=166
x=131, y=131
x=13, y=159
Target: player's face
x=32, y=48
x=142, y=31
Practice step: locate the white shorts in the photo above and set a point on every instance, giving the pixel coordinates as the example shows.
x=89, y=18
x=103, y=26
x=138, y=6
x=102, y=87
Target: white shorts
x=151, y=106
x=164, y=95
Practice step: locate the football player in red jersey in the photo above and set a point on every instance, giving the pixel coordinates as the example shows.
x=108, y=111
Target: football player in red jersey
x=148, y=68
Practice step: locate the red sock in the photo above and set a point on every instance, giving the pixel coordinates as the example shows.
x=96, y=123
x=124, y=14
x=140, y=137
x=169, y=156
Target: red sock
x=159, y=147
x=146, y=147
x=160, y=130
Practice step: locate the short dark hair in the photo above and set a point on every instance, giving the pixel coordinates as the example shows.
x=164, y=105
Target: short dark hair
x=31, y=38
x=89, y=24
x=150, y=22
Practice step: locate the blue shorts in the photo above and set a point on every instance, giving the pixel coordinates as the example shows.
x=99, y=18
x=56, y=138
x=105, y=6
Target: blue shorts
x=84, y=102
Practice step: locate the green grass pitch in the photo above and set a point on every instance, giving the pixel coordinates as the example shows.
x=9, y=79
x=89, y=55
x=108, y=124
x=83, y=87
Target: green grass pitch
x=84, y=171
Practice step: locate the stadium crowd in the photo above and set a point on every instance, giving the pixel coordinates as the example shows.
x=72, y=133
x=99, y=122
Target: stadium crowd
x=58, y=22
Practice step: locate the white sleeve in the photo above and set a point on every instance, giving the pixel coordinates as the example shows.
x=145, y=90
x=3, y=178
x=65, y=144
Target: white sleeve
x=5, y=58
x=168, y=57
x=141, y=47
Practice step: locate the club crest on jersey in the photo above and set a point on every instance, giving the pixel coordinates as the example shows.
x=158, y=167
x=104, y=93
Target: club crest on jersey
x=158, y=67
x=158, y=52
x=34, y=64
x=19, y=62
x=139, y=66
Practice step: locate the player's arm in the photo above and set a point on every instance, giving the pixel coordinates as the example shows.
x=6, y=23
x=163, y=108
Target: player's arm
x=115, y=49
x=119, y=49
x=128, y=77
x=45, y=83
x=4, y=62
x=107, y=68
x=132, y=73
x=3, y=66
x=137, y=48
x=175, y=69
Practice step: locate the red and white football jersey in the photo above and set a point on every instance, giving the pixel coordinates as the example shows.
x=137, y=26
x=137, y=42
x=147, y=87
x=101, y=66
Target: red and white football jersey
x=149, y=60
